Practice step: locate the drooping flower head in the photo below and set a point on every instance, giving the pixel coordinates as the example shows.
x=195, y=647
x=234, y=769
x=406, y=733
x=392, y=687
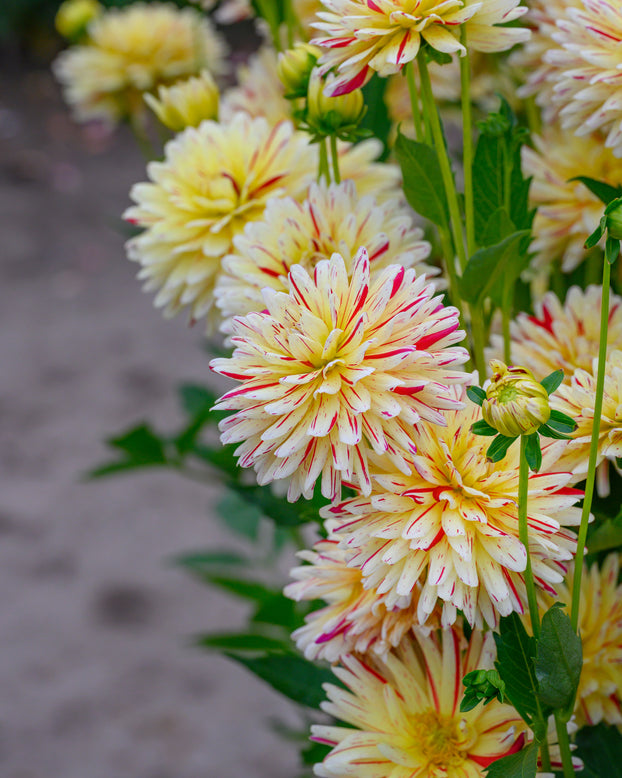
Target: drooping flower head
x=355, y=619
x=131, y=51
x=452, y=525
x=404, y=716
x=363, y=36
x=567, y=211
x=339, y=367
x=214, y=180
x=331, y=219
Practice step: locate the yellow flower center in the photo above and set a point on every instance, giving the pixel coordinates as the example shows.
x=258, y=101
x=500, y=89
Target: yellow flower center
x=439, y=739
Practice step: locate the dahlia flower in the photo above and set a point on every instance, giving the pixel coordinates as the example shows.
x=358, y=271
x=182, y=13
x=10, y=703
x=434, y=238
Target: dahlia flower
x=331, y=219
x=452, y=525
x=214, y=180
x=131, y=51
x=564, y=336
x=586, y=74
x=404, y=713
x=363, y=36
x=567, y=211
x=339, y=367
x=355, y=619
x=599, y=696
x=186, y=103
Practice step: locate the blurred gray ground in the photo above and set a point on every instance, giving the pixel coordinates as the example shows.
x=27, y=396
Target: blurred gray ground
x=96, y=676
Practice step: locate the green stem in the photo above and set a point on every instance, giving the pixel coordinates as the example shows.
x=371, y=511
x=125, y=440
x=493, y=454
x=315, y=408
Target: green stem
x=335, y=156
x=591, y=468
x=523, y=535
x=430, y=110
x=477, y=338
x=467, y=143
x=506, y=312
x=450, y=264
x=324, y=170
x=545, y=756
x=564, y=746
x=592, y=267
x=142, y=139
x=534, y=120
x=414, y=101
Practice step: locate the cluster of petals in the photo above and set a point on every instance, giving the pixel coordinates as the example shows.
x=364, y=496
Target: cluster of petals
x=131, y=51
x=214, y=179
x=599, y=696
x=404, y=717
x=567, y=209
x=451, y=525
x=331, y=219
x=355, y=619
x=340, y=367
x=363, y=36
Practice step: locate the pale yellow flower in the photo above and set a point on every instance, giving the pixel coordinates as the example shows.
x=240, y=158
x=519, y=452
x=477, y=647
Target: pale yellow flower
x=186, y=103
x=306, y=11
x=363, y=36
x=567, y=211
x=516, y=404
x=355, y=619
x=405, y=710
x=339, y=368
x=331, y=219
x=214, y=180
x=131, y=51
x=452, y=524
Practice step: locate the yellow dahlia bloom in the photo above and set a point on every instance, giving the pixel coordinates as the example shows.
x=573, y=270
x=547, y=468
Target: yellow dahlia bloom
x=362, y=36
x=355, y=619
x=452, y=524
x=331, y=219
x=586, y=73
x=404, y=713
x=567, y=211
x=340, y=367
x=214, y=180
x=599, y=697
x=131, y=51
x=306, y=11
x=564, y=336
x=186, y=103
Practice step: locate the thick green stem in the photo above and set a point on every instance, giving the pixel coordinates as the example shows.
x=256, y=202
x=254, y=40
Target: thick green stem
x=414, y=101
x=564, y=746
x=545, y=757
x=477, y=338
x=467, y=143
x=591, y=468
x=506, y=313
x=324, y=170
x=431, y=111
x=335, y=155
x=523, y=535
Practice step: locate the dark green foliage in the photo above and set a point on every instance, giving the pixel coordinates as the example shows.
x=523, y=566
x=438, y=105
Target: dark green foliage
x=423, y=182
x=522, y=764
x=559, y=658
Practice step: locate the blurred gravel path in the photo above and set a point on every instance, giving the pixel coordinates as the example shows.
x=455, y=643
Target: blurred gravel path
x=97, y=680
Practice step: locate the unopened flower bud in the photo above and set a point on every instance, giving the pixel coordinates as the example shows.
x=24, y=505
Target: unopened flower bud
x=73, y=17
x=187, y=103
x=328, y=115
x=516, y=404
x=614, y=219
x=294, y=68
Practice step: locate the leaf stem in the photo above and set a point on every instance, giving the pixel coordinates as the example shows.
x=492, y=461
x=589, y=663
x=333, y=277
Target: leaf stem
x=467, y=142
x=324, y=170
x=414, y=101
x=335, y=155
x=591, y=468
x=523, y=534
x=564, y=745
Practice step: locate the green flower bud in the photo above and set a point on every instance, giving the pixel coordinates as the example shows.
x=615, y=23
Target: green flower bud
x=332, y=115
x=294, y=69
x=73, y=17
x=516, y=404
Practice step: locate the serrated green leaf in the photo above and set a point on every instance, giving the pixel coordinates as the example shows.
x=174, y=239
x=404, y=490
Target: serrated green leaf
x=533, y=453
x=292, y=676
x=476, y=394
x=233, y=641
x=516, y=652
x=600, y=748
x=499, y=447
x=489, y=268
x=423, y=182
x=522, y=764
x=559, y=658
x=482, y=427
x=552, y=381
x=605, y=192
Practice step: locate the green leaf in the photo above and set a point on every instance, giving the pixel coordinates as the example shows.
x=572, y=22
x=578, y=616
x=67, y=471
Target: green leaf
x=315, y=753
x=423, y=182
x=559, y=659
x=612, y=249
x=522, y=764
x=600, y=748
x=230, y=641
x=549, y=432
x=597, y=235
x=489, y=269
x=476, y=394
x=533, y=453
x=482, y=427
x=239, y=515
x=561, y=421
x=516, y=651
x=196, y=399
x=605, y=192
x=605, y=536
x=552, y=381
x=204, y=561
x=377, y=118
x=499, y=447
x=141, y=446
x=292, y=676
x=498, y=227
x=248, y=590
x=280, y=611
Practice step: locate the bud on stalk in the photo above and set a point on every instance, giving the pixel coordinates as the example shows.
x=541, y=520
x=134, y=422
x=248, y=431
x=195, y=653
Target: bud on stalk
x=516, y=404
